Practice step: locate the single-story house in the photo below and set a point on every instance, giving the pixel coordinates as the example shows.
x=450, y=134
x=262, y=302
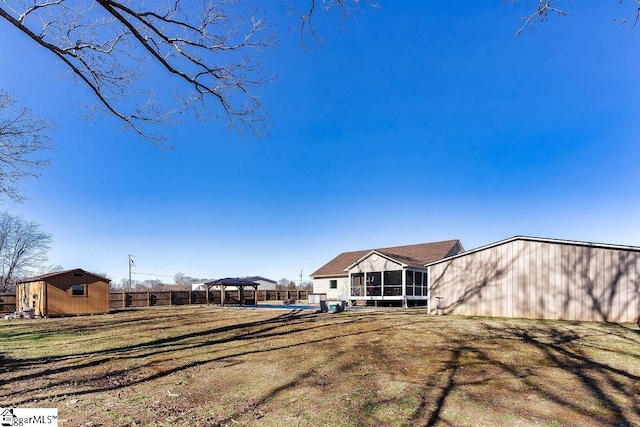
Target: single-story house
x=64, y=293
x=394, y=275
x=539, y=278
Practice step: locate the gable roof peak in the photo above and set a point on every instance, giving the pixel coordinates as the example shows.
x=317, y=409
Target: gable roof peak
x=415, y=255
x=58, y=273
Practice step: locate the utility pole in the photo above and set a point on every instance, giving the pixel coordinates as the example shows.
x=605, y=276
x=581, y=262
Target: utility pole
x=300, y=278
x=130, y=263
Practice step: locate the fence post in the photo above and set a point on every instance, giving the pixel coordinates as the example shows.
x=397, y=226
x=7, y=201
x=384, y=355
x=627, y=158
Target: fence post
x=170, y=297
x=148, y=298
x=124, y=300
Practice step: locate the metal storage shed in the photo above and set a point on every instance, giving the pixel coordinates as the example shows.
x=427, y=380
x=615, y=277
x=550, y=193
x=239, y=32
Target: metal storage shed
x=540, y=278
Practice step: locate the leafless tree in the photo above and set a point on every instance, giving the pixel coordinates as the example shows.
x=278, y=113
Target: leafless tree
x=183, y=282
x=306, y=286
x=108, y=45
x=544, y=9
x=211, y=51
x=51, y=268
x=282, y=284
x=23, y=249
x=101, y=274
x=23, y=142
x=305, y=13
x=151, y=284
x=124, y=284
x=179, y=279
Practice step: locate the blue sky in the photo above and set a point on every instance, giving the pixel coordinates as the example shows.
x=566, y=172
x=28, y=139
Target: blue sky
x=419, y=122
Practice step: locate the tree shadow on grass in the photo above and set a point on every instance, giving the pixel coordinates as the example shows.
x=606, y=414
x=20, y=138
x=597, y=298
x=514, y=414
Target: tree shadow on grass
x=556, y=348
x=120, y=378
x=605, y=391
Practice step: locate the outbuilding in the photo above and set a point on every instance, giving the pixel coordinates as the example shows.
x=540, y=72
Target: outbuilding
x=539, y=278
x=64, y=293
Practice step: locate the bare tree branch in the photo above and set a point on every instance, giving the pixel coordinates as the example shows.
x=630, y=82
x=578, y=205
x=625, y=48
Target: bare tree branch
x=304, y=15
x=541, y=14
x=545, y=8
x=633, y=16
x=23, y=139
x=108, y=45
x=210, y=51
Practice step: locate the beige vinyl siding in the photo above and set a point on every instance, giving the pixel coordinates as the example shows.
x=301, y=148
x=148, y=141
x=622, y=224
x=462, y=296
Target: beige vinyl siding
x=322, y=286
x=542, y=280
x=375, y=262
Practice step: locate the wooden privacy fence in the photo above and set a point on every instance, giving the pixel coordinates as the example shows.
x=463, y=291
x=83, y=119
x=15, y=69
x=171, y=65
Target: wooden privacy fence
x=157, y=298
x=7, y=303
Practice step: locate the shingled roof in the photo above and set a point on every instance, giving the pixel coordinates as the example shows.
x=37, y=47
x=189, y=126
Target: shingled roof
x=58, y=273
x=415, y=255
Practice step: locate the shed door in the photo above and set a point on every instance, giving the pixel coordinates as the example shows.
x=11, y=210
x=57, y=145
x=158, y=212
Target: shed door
x=24, y=295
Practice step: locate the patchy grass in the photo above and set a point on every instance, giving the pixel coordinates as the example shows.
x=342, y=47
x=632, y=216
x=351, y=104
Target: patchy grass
x=221, y=366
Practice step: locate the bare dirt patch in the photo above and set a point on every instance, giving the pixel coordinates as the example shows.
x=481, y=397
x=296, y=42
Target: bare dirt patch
x=230, y=367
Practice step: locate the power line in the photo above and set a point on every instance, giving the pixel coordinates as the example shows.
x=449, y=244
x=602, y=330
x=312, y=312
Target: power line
x=165, y=262
x=154, y=267
x=133, y=264
x=150, y=274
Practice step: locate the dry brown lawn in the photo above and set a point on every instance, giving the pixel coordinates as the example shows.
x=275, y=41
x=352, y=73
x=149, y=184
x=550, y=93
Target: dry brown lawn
x=191, y=366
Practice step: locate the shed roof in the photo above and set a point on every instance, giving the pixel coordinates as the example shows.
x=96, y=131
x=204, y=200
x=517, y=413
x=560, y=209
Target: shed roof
x=541, y=240
x=418, y=255
x=60, y=273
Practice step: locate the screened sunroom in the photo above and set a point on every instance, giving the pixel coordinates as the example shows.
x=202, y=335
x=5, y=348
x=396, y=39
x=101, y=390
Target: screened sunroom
x=380, y=279
x=389, y=276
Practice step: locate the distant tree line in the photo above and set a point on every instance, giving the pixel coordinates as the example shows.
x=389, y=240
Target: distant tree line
x=286, y=284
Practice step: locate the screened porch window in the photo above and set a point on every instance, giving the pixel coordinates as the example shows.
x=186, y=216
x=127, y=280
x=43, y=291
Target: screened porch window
x=357, y=285
x=410, y=290
x=419, y=283
x=374, y=284
x=393, y=283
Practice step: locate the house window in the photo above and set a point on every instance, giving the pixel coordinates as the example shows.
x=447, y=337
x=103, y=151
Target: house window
x=78, y=290
x=333, y=284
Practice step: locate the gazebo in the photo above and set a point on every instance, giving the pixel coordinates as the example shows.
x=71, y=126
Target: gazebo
x=236, y=282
